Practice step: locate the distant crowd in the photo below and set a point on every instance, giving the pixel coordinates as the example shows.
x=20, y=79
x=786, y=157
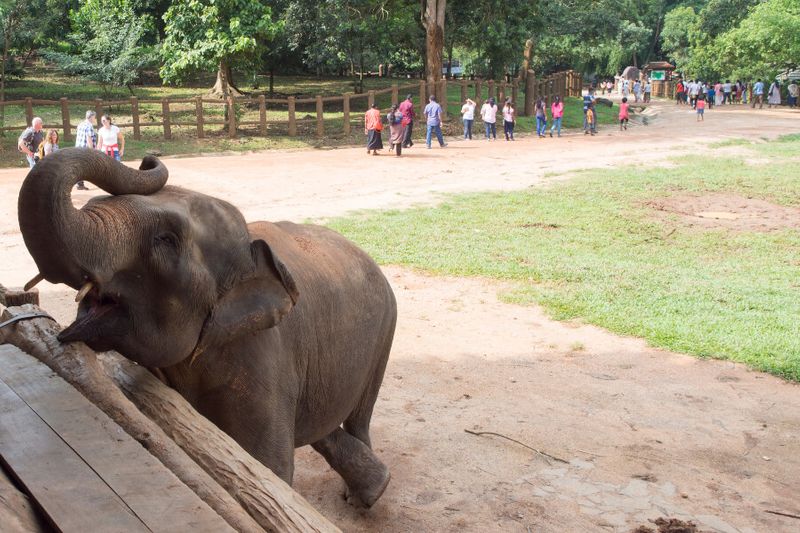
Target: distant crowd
x=727, y=93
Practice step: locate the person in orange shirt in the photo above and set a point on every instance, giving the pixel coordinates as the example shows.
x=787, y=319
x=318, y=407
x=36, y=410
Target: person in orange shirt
x=372, y=129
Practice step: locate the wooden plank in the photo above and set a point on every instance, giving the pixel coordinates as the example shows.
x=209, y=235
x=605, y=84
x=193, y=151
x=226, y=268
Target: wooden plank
x=97, y=452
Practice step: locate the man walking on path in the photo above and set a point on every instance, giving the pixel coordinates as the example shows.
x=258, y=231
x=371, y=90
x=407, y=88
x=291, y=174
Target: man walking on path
x=85, y=137
x=407, y=109
x=588, y=100
x=433, y=116
x=758, y=95
x=28, y=143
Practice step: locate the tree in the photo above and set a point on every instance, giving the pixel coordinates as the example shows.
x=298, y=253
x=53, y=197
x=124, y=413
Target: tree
x=680, y=26
x=432, y=17
x=203, y=35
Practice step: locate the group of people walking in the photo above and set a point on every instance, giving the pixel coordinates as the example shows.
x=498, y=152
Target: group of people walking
x=108, y=139
x=726, y=93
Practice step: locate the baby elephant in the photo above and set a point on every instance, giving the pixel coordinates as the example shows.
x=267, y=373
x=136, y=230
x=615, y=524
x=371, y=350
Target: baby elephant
x=278, y=333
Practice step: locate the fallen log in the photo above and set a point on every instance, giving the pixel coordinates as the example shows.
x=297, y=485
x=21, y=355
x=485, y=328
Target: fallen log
x=222, y=463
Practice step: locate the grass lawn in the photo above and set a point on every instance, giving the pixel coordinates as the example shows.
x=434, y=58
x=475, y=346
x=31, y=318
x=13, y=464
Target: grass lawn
x=591, y=249
x=50, y=84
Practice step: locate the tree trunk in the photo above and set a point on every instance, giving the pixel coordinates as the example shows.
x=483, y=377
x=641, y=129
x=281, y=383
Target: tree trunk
x=526, y=60
x=433, y=22
x=224, y=86
x=3, y=82
x=271, y=503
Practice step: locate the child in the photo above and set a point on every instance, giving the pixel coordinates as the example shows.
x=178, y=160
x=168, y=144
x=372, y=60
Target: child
x=591, y=127
x=623, y=114
x=711, y=94
x=700, y=106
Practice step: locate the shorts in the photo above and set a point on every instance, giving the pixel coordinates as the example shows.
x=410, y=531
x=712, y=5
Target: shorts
x=700, y=111
x=623, y=121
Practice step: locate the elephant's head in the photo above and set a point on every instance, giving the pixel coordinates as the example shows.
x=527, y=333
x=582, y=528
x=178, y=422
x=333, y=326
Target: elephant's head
x=162, y=272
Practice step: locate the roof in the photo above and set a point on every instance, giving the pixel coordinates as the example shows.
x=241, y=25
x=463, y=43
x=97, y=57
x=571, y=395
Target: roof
x=659, y=65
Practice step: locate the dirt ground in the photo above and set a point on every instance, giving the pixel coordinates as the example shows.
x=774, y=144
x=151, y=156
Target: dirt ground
x=625, y=433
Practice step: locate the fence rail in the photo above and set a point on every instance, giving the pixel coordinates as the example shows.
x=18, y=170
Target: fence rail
x=200, y=112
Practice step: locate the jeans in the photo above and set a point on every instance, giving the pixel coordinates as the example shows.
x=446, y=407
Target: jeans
x=491, y=130
x=468, y=128
x=508, y=129
x=556, y=123
x=438, y=129
x=31, y=160
x=541, y=125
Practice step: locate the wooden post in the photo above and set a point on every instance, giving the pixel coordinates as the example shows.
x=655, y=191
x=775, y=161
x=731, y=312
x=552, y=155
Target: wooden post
x=478, y=94
x=292, y=120
x=515, y=93
x=320, y=119
x=262, y=111
x=463, y=91
x=137, y=133
x=65, y=119
x=370, y=99
x=346, y=113
x=198, y=112
x=165, y=114
x=530, y=93
x=423, y=94
x=491, y=88
x=395, y=96
x=231, y=118
x=29, y=110
x=98, y=109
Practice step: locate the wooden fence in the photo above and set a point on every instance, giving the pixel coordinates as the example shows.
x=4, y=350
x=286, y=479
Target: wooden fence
x=204, y=112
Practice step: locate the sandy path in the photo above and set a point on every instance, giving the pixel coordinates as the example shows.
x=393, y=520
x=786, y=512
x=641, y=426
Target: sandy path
x=645, y=433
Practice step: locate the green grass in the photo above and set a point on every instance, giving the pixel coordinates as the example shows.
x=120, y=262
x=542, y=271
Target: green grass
x=591, y=249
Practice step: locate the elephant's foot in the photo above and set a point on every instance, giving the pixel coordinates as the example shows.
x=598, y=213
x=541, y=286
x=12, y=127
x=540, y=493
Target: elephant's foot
x=365, y=475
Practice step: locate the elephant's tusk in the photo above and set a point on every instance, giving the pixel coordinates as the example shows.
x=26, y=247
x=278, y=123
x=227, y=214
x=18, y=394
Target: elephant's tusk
x=32, y=283
x=84, y=291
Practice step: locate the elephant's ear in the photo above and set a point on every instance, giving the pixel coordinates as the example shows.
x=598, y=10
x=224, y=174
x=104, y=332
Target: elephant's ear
x=258, y=301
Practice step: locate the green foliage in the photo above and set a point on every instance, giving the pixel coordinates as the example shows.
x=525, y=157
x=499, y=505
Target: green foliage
x=680, y=26
x=204, y=35
x=591, y=248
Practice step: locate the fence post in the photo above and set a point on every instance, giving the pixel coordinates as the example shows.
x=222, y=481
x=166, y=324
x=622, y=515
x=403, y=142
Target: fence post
x=478, y=93
x=423, y=96
x=65, y=119
x=530, y=92
x=198, y=111
x=29, y=110
x=346, y=113
x=262, y=110
x=395, y=95
x=231, y=118
x=463, y=91
x=320, y=119
x=98, y=109
x=292, y=120
x=165, y=114
x=137, y=134
x=370, y=99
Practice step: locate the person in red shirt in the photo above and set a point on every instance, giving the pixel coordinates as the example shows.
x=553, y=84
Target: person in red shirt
x=701, y=107
x=372, y=129
x=680, y=91
x=407, y=109
x=623, y=114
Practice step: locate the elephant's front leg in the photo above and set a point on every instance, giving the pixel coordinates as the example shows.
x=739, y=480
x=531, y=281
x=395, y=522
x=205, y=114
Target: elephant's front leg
x=365, y=475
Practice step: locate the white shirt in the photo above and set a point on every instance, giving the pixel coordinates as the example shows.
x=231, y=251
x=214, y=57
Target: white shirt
x=726, y=87
x=468, y=111
x=793, y=89
x=489, y=113
x=109, y=135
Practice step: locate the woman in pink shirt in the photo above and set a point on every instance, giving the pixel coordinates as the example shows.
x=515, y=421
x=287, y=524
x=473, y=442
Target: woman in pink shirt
x=623, y=114
x=557, y=111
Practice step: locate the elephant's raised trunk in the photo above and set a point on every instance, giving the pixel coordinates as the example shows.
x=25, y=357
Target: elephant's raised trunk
x=60, y=237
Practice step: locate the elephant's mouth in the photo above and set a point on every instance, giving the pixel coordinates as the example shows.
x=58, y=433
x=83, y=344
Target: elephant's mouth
x=101, y=318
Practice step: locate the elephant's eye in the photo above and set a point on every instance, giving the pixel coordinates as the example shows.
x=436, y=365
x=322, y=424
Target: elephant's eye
x=167, y=239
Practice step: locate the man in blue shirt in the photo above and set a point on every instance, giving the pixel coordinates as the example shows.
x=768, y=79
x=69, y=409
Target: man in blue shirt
x=588, y=98
x=758, y=95
x=433, y=116
x=86, y=137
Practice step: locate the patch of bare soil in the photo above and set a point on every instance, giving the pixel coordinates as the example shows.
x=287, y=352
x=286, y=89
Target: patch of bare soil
x=726, y=210
x=668, y=525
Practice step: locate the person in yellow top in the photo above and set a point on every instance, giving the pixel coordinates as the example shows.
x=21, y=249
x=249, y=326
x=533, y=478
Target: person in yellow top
x=372, y=129
x=591, y=125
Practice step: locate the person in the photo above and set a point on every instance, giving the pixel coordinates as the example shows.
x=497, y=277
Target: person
x=589, y=120
x=694, y=91
x=758, y=95
x=737, y=92
x=86, y=137
x=794, y=92
x=711, y=94
x=637, y=90
x=433, y=119
x=623, y=114
x=679, y=92
x=719, y=94
x=110, y=139
x=509, y=119
x=609, y=86
x=541, y=117
x=727, y=88
x=700, y=106
x=774, y=94
x=468, y=117
x=407, y=109
x=372, y=129
x=557, y=112
x=395, y=120
x=489, y=117
x=648, y=89
x=625, y=87
x=49, y=145
x=30, y=139
x=588, y=99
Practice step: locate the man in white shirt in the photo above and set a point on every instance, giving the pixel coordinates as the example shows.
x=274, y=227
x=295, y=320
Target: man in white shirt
x=489, y=116
x=468, y=116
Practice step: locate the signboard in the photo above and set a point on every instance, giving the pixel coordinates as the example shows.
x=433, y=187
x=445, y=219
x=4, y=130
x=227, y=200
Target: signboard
x=658, y=75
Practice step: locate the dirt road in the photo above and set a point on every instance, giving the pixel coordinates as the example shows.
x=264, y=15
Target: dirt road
x=642, y=433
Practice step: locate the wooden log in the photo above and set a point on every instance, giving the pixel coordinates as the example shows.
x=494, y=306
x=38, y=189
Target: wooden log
x=9, y=297
x=270, y=503
x=346, y=113
x=165, y=115
x=137, y=130
x=320, y=117
x=262, y=115
x=65, y=125
x=292, y=118
x=198, y=111
x=17, y=512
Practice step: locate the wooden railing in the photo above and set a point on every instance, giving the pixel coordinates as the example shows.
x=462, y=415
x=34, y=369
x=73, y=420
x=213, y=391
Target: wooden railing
x=135, y=114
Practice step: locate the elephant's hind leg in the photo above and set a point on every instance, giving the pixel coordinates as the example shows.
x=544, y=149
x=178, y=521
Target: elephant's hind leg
x=365, y=475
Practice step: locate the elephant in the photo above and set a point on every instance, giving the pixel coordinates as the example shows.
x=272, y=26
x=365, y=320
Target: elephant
x=279, y=333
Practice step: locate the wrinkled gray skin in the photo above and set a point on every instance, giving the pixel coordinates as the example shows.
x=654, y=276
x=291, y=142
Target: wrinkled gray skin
x=278, y=333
